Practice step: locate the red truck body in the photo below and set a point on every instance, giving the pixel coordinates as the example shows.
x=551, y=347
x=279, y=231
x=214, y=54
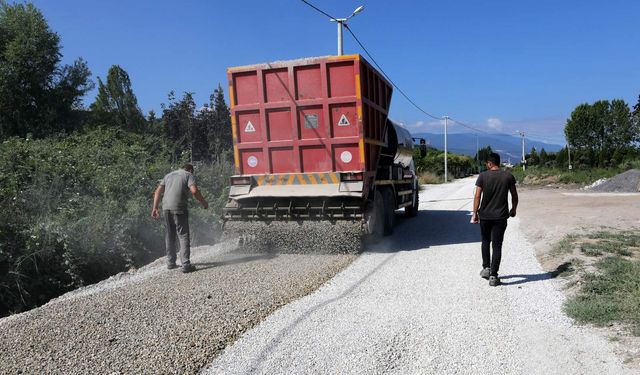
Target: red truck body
x=312, y=141
x=308, y=116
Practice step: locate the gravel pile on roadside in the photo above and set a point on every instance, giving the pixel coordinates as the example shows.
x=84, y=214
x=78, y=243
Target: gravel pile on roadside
x=157, y=321
x=315, y=237
x=627, y=182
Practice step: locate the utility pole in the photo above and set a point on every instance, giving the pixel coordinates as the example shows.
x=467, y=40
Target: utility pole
x=477, y=154
x=569, y=152
x=341, y=22
x=446, y=121
x=524, y=161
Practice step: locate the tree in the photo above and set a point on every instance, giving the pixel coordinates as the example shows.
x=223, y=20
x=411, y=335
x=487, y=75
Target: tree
x=597, y=131
x=116, y=104
x=533, y=158
x=178, y=118
x=219, y=133
x=544, y=157
x=37, y=94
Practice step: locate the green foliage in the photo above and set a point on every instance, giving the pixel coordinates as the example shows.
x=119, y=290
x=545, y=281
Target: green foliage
x=77, y=209
x=198, y=135
x=433, y=162
x=602, y=133
x=38, y=96
x=563, y=176
x=116, y=104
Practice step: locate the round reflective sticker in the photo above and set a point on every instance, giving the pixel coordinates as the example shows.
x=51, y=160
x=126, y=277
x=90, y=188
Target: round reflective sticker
x=346, y=157
x=252, y=161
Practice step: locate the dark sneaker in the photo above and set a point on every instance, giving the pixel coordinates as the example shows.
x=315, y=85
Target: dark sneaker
x=172, y=266
x=188, y=268
x=485, y=273
x=494, y=281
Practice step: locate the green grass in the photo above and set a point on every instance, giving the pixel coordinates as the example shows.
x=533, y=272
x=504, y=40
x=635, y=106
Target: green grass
x=611, y=295
x=565, y=245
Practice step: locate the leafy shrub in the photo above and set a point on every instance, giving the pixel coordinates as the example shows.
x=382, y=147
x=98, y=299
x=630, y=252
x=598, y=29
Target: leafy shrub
x=76, y=209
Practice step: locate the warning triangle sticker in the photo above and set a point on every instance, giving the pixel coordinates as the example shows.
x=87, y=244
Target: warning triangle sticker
x=343, y=121
x=249, y=128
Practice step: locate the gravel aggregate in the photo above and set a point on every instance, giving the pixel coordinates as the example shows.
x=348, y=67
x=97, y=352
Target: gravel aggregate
x=312, y=237
x=159, y=321
x=415, y=304
x=626, y=182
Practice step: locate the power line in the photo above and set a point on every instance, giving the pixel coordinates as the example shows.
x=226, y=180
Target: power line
x=318, y=9
x=387, y=76
x=373, y=60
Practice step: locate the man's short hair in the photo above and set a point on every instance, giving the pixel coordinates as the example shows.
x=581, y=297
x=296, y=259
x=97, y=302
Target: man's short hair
x=188, y=167
x=494, y=158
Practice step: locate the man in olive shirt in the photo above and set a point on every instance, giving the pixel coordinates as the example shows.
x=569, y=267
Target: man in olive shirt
x=493, y=186
x=176, y=187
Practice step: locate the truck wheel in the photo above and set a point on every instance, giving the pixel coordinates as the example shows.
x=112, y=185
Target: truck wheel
x=374, y=219
x=389, y=211
x=412, y=211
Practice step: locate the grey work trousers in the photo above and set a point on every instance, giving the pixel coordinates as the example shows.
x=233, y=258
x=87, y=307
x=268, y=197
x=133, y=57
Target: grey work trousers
x=177, y=223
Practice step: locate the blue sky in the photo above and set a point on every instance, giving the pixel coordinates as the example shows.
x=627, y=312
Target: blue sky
x=499, y=65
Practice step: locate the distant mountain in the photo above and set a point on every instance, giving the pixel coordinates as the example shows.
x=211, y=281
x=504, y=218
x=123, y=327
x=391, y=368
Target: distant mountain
x=509, y=147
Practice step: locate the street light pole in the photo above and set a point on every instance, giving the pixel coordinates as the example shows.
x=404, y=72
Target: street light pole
x=341, y=22
x=523, y=159
x=446, y=121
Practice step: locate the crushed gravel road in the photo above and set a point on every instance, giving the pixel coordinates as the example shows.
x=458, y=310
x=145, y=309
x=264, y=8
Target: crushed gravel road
x=415, y=304
x=157, y=321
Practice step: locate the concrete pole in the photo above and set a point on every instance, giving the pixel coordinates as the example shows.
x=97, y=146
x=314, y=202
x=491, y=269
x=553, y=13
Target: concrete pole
x=446, y=121
x=523, y=159
x=340, y=49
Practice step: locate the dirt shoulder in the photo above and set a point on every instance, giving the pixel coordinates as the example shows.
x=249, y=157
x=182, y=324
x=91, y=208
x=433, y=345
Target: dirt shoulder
x=549, y=214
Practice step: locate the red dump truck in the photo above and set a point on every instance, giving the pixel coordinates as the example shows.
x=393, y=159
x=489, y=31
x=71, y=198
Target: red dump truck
x=312, y=141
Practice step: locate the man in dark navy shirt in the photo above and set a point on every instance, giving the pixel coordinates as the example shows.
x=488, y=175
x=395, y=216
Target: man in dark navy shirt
x=493, y=187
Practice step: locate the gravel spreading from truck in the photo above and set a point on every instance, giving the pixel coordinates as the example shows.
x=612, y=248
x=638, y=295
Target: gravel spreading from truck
x=308, y=237
x=156, y=321
x=626, y=182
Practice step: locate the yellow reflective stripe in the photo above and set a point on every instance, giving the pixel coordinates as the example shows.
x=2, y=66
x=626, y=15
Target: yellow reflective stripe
x=361, y=146
x=236, y=156
x=323, y=178
x=291, y=178
x=301, y=179
x=260, y=180
x=359, y=110
x=358, y=94
x=234, y=132
x=333, y=178
x=280, y=179
x=312, y=179
x=232, y=102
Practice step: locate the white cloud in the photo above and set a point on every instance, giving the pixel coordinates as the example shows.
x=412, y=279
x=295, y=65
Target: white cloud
x=494, y=123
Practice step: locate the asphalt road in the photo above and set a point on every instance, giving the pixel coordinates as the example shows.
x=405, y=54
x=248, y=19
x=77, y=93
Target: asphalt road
x=415, y=304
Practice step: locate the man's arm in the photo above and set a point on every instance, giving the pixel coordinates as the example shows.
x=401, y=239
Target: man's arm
x=196, y=194
x=514, y=200
x=476, y=205
x=156, y=200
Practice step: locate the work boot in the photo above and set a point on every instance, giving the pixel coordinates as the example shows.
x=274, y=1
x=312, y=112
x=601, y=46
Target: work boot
x=171, y=266
x=494, y=281
x=485, y=273
x=188, y=268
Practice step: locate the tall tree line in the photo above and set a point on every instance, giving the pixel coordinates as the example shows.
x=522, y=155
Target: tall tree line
x=604, y=133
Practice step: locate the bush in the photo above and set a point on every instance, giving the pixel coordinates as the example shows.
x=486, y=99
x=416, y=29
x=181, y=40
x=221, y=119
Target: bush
x=76, y=209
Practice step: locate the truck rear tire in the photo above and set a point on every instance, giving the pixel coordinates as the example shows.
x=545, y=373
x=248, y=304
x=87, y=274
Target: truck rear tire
x=389, y=211
x=412, y=211
x=374, y=221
